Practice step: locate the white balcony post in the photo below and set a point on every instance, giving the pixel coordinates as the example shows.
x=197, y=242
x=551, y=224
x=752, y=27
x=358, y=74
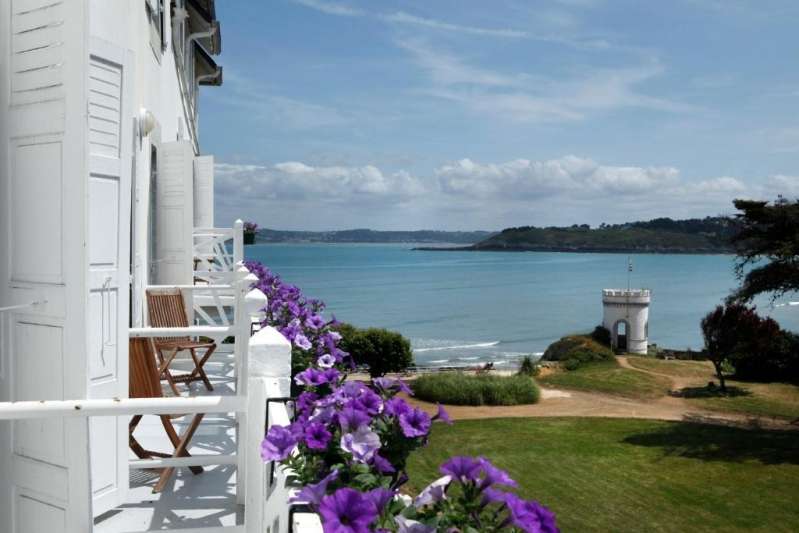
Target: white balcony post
x=238, y=242
x=269, y=377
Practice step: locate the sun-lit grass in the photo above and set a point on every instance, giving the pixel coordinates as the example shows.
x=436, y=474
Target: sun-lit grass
x=457, y=388
x=635, y=475
x=609, y=378
x=701, y=370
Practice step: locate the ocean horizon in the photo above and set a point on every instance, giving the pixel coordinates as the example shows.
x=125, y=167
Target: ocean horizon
x=469, y=308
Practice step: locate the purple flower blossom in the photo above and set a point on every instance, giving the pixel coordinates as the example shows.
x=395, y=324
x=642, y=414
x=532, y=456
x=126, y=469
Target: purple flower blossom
x=530, y=516
x=361, y=444
x=442, y=415
x=380, y=497
x=434, y=492
x=347, y=511
x=494, y=475
x=331, y=375
x=305, y=402
x=326, y=361
x=301, y=341
x=369, y=402
x=351, y=419
x=278, y=444
x=312, y=494
x=382, y=464
x=396, y=407
x=311, y=377
x=415, y=423
x=406, y=525
x=464, y=469
x=315, y=322
x=317, y=436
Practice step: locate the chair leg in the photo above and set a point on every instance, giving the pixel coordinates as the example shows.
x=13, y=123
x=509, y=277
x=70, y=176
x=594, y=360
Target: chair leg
x=175, y=440
x=164, y=370
x=180, y=451
x=198, y=367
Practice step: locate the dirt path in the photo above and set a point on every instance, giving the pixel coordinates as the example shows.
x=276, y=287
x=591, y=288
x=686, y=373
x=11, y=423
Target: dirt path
x=578, y=403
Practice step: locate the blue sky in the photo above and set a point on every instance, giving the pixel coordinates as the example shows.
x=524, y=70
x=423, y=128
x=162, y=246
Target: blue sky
x=465, y=114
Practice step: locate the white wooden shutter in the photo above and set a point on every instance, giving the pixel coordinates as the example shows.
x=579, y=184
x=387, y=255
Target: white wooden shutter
x=204, y=191
x=175, y=214
x=44, y=464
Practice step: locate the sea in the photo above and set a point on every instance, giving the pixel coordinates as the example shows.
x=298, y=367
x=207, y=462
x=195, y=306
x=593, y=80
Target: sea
x=467, y=308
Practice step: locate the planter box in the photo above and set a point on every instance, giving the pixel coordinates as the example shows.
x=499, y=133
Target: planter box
x=249, y=238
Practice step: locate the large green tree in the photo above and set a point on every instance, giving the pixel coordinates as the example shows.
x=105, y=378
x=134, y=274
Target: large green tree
x=767, y=244
x=381, y=350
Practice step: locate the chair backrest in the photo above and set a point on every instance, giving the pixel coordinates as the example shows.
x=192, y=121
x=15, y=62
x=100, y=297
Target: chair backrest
x=144, y=380
x=167, y=309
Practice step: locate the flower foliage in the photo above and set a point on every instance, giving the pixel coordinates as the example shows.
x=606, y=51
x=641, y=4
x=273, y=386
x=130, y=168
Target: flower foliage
x=349, y=442
x=250, y=227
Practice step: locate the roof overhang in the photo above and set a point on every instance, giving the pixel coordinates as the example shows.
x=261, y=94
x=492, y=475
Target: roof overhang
x=202, y=18
x=206, y=71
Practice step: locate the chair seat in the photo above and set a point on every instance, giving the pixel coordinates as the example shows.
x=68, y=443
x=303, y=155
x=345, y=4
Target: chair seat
x=183, y=345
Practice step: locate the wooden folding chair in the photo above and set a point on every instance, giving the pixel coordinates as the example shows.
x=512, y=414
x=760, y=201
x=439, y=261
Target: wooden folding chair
x=167, y=310
x=145, y=382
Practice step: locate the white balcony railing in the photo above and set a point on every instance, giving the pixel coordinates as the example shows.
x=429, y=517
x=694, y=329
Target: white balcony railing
x=262, y=373
x=218, y=253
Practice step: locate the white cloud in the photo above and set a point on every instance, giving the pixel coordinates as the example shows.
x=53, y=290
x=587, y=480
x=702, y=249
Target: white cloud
x=331, y=8
x=529, y=98
x=400, y=17
x=781, y=184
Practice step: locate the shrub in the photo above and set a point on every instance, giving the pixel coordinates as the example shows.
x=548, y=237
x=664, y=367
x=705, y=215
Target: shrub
x=457, y=388
x=601, y=334
x=528, y=368
x=381, y=350
x=580, y=347
x=572, y=364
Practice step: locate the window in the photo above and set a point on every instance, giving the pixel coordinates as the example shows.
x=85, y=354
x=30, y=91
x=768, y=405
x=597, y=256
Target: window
x=155, y=13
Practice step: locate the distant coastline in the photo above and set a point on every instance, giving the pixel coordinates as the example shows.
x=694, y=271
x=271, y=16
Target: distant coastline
x=710, y=235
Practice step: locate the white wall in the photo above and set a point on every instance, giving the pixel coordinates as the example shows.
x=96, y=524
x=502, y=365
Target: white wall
x=634, y=311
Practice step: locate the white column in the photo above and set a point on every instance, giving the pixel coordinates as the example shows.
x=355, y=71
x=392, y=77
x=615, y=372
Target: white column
x=269, y=377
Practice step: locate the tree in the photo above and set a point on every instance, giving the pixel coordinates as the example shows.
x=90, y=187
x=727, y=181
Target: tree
x=381, y=350
x=734, y=332
x=767, y=245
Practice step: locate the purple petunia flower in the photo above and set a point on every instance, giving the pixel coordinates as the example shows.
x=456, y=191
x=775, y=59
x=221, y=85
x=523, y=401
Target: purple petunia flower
x=315, y=322
x=311, y=377
x=415, y=423
x=494, y=475
x=347, y=511
x=313, y=494
x=326, y=361
x=301, y=341
x=351, y=419
x=434, y=492
x=380, y=497
x=464, y=469
x=406, y=525
x=331, y=375
x=442, y=415
x=317, y=436
x=305, y=402
x=396, y=406
x=278, y=444
x=382, y=464
x=530, y=516
x=369, y=402
x=361, y=444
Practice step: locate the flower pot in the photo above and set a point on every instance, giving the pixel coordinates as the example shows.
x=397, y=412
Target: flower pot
x=249, y=238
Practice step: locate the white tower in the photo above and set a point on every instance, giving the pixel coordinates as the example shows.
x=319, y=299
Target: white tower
x=626, y=316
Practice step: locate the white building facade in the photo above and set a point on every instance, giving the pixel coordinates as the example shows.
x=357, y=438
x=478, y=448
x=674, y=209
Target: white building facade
x=103, y=183
x=625, y=313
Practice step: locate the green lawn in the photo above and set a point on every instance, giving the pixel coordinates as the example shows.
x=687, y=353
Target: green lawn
x=701, y=370
x=635, y=475
x=609, y=378
x=758, y=399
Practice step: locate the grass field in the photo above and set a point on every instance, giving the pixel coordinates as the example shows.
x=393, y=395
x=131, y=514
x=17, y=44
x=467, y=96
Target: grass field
x=759, y=399
x=609, y=378
x=635, y=475
x=456, y=388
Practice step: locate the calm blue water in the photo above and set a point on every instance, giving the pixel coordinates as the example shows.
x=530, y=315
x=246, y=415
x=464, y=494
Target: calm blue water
x=467, y=307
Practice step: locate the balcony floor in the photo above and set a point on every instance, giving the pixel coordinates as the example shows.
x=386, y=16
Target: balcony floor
x=188, y=500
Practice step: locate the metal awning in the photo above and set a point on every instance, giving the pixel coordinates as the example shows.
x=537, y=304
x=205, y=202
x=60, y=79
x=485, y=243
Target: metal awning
x=202, y=18
x=206, y=71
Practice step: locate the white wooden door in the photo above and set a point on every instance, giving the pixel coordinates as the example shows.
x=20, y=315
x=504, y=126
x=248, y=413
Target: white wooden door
x=110, y=136
x=44, y=464
x=175, y=214
x=204, y=191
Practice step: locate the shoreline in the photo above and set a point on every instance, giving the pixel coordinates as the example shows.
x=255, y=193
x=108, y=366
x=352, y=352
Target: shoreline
x=559, y=249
